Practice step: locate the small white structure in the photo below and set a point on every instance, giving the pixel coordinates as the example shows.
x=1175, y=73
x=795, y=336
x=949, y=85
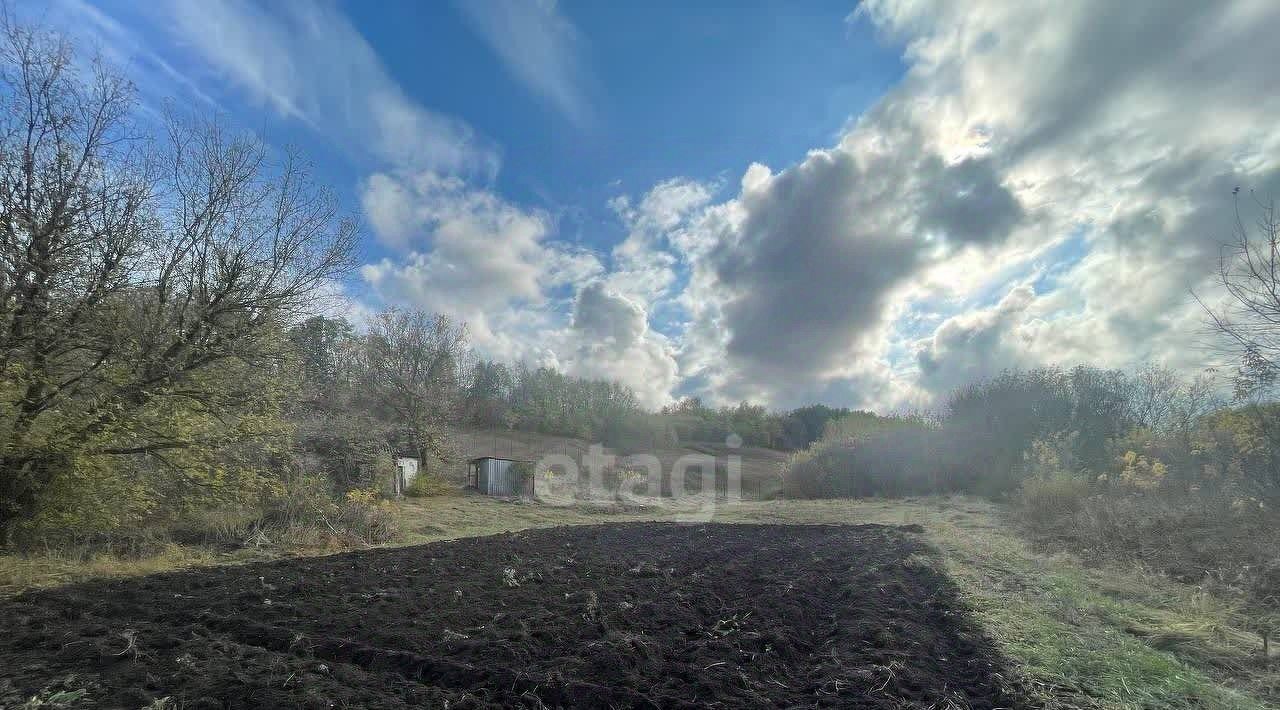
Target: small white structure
x=406, y=471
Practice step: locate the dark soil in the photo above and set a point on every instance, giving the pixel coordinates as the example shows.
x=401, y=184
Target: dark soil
x=631, y=615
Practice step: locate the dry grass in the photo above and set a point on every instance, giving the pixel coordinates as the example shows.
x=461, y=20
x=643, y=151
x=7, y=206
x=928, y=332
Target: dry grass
x=428, y=485
x=52, y=569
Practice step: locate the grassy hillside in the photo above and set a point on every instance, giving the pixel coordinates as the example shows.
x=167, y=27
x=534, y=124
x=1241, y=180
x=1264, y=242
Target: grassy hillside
x=760, y=466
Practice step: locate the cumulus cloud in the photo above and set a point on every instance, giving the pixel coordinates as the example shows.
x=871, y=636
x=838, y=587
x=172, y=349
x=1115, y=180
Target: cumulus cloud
x=801, y=279
x=1015, y=128
x=468, y=253
x=1115, y=134
x=610, y=338
x=975, y=345
x=970, y=205
x=608, y=318
x=659, y=232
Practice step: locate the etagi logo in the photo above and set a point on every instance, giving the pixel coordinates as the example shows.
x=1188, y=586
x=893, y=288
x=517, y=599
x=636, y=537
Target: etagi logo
x=693, y=488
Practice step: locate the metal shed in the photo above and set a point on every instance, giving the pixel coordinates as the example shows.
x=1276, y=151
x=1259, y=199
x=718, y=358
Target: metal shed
x=498, y=477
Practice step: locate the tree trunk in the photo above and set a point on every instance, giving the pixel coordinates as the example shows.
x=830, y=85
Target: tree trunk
x=21, y=480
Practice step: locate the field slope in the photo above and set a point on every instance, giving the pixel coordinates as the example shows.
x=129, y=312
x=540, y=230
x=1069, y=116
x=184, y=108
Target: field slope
x=1065, y=635
x=629, y=615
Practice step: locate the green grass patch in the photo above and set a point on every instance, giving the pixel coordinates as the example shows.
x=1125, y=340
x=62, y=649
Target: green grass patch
x=1074, y=641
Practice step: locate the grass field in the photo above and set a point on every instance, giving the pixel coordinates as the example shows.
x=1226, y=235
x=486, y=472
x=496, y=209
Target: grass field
x=1106, y=638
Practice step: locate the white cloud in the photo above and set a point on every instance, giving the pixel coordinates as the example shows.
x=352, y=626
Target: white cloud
x=806, y=265
x=469, y=254
x=610, y=338
x=1017, y=126
x=1135, y=127
x=538, y=46
x=480, y=259
x=307, y=62
x=659, y=234
x=99, y=34
x=977, y=344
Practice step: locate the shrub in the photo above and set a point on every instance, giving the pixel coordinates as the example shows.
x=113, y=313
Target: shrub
x=1050, y=501
x=110, y=504
x=1050, y=495
x=362, y=515
x=627, y=484
x=223, y=528
x=523, y=473
x=301, y=513
x=88, y=500
x=801, y=476
x=860, y=454
x=426, y=485
x=896, y=457
x=1187, y=503
x=350, y=450
x=1228, y=545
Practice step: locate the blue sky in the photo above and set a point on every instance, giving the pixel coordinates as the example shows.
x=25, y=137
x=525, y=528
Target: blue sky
x=784, y=202
x=666, y=90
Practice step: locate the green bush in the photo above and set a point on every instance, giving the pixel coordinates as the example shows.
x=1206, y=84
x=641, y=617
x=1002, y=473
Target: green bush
x=802, y=477
x=1051, y=494
x=426, y=486
x=898, y=457
x=523, y=472
x=860, y=455
x=301, y=513
x=363, y=516
x=115, y=504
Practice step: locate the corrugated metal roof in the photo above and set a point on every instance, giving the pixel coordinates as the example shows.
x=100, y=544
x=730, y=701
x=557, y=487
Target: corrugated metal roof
x=498, y=458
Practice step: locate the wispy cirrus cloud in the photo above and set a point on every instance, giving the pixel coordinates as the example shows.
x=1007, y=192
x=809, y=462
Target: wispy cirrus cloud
x=538, y=46
x=99, y=34
x=309, y=63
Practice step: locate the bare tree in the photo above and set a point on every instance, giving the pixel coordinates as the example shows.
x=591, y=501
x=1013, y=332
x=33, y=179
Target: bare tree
x=1248, y=322
x=139, y=277
x=414, y=365
x=1160, y=399
x=1196, y=398
x=73, y=191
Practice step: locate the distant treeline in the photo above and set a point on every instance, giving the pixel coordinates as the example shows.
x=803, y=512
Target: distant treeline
x=981, y=439
x=344, y=373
